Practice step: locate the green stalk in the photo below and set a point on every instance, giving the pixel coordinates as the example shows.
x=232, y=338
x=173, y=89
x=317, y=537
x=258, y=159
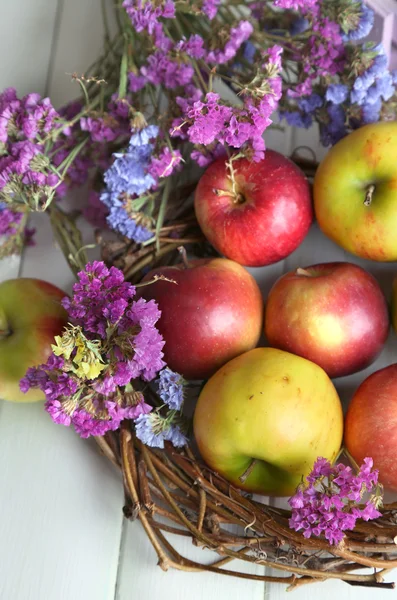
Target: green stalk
x=162, y=210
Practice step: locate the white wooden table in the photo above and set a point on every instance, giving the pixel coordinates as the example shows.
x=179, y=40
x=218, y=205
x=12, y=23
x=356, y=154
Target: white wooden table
x=62, y=534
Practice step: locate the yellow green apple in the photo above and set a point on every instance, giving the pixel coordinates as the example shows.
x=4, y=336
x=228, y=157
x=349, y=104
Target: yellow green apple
x=355, y=192
x=31, y=315
x=263, y=419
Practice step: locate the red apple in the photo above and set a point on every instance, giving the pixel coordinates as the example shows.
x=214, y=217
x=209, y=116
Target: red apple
x=334, y=314
x=31, y=316
x=355, y=192
x=371, y=424
x=214, y=313
x=262, y=216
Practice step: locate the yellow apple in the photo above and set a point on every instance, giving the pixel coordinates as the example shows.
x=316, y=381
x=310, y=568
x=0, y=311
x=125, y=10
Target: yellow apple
x=355, y=192
x=263, y=419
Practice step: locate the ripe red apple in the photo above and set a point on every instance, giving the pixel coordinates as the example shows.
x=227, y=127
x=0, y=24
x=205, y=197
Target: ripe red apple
x=394, y=305
x=258, y=216
x=214, y=313
x=263, y=419
x=355, y=192
x=371, y=424
x=30, y=316
x=334, y=314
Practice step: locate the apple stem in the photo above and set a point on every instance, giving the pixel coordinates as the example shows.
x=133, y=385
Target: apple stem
x=183, y=253
x=302, y=272
x=248, y=470
x=369, y=192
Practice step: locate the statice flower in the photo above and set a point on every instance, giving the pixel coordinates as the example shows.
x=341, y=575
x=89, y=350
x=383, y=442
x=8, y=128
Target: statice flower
x=210, y=8
x=153, y=430
x=210, y=122
x=162, y=68
x=237, y=36
x=327, y=504
x=170, y=388
x=130, y=176
x=10, y=220
x=165, y=163
x=144, y=14
x=359, y=22
x=110, y=343
x=337, y=93
x=298, y=5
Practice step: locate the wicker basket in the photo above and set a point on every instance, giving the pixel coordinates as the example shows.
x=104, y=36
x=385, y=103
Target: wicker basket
x=171, y=491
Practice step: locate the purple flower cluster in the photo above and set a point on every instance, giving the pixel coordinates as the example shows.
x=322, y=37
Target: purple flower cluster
x=103, y=315
x=211, y=122
x=144, y=14
x=25, y=172
x=10, y=220
x=329, y=504
x=299, y=5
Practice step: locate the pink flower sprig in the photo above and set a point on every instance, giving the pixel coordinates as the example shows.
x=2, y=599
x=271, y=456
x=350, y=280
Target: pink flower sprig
x=328, y=503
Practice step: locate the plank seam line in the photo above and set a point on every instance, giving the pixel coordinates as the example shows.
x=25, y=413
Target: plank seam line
x=54, y=43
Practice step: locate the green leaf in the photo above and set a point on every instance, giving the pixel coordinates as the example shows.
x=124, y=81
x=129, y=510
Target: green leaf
x=123, y=74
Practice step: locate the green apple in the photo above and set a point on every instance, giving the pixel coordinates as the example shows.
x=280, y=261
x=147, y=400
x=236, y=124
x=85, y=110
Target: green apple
x=31, y=316
x=355, y=192
x=263, y=419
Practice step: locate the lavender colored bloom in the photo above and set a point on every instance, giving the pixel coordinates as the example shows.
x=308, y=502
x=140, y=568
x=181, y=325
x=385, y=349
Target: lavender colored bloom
x=170, y=388
x=363, y=24
x=175, y=435
x=97, y=290
x=153, y=431
x=194, y=46
x=238, y=35
x=128, y=172
x=161, y=69
x=310, y=103
x=119, y=220
x=9, y=220
x=328, y=503
x=210, y=8
x=297, y=5
x=297, y=119
x=144, y=15
x=145, y=432
x=165, y=163
x=336, y=93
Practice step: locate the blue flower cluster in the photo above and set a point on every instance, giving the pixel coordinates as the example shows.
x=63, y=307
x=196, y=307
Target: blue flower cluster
x=356, y=99
x=128, y=177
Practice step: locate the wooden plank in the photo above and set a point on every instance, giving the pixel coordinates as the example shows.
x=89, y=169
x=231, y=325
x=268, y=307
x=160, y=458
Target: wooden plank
x=317, y=248
x=63, y=500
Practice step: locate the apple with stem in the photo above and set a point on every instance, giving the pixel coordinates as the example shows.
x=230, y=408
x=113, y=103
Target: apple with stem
x=255, y=213
x=31, y=316
x=355, y=192
x=211, y=313
x=334, y=314
x=264, y=418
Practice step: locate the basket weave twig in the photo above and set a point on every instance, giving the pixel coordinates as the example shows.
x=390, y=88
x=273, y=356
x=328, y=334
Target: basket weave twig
x=171, y=492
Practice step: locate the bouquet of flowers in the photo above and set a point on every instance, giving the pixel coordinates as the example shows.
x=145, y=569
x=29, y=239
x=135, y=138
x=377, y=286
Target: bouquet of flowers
x=180, y=84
